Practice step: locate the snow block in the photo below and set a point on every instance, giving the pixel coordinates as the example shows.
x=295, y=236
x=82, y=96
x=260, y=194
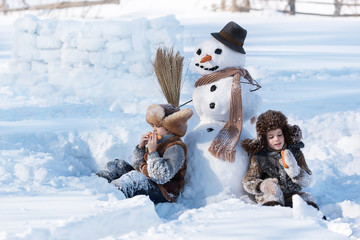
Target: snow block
x=28, y=24
x=124, y=45
x=70, y=56
x=23, y=53
x=139, y=28
x=166, y=21
x=105, y=59
x=47, y=27
x=25, y=39
x=49, y=55
x=20, y=66
x=91, y=44
x=48, y=42
x=39, y=67
x=117, y=29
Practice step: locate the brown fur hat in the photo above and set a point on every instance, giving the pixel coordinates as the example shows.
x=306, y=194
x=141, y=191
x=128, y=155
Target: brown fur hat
x=268, y=121
x=170, y=117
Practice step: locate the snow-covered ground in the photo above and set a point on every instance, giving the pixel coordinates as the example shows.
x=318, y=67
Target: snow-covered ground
x=58, y=129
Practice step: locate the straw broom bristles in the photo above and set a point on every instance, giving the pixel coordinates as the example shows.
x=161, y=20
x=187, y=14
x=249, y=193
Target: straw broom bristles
x=168, y=70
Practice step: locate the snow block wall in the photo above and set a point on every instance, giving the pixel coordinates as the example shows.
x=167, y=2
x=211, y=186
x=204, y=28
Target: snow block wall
x=42, y=46
x=92, y=58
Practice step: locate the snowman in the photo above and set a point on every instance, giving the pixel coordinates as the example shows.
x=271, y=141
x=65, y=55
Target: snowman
x=224, y=99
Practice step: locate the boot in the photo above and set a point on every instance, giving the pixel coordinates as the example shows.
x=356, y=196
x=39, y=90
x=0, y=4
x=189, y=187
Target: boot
x=115, y=169
x=120, y=167
x=272, y=203
x=110, y=176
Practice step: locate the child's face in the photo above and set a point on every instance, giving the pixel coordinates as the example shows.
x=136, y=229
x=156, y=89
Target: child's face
x=275, y=139
x=160, y=130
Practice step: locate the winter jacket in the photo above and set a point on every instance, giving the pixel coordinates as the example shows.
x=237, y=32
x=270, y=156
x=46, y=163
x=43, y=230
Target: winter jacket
x=266, y=164
x=166, y=166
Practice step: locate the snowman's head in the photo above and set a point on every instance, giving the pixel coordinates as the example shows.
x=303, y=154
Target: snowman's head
x=212, y=55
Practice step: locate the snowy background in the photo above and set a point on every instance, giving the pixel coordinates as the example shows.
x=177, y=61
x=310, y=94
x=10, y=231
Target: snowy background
x=73, y=95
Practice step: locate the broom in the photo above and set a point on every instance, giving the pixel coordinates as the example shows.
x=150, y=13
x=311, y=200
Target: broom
x=168, y=70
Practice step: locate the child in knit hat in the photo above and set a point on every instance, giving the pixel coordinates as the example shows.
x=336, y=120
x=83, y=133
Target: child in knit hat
x=159, y=161
x=278, y=169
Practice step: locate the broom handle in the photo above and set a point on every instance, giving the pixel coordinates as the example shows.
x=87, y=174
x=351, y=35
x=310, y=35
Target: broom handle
x=185, y=103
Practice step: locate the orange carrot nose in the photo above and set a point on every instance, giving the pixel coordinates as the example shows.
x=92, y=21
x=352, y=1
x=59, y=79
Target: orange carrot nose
x=206, y=58
x=282, y=156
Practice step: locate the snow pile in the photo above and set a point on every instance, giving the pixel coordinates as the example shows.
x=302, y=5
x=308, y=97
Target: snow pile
x=100, y=221
x=234, y=219
x=81, y=60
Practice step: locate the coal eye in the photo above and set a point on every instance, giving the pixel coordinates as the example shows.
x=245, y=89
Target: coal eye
x=218, y=51
x=213, y=88
x=198, y=52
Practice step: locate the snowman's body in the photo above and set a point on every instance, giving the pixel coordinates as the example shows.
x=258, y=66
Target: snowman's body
x=209, y=178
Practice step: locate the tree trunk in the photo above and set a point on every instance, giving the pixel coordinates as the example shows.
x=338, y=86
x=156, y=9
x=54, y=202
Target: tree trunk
x=292, y=7
x=246, y=5
x=337, y=4
x=234, y=6
x=223, y=5
x=4, y=7
x=25, y=4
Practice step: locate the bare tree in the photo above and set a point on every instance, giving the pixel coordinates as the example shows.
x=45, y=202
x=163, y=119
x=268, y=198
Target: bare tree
x=4, y=6
x=25, y=4
x=223, y=5
x=338, y=5
x=233, y=7
x=292, y=7
x=246, y=5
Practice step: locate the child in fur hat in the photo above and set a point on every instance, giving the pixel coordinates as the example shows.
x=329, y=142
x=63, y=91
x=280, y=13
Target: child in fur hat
x=159, y=161
x=271, y=179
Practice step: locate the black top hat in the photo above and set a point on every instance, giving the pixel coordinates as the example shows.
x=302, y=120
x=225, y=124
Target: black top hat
x=232, y=36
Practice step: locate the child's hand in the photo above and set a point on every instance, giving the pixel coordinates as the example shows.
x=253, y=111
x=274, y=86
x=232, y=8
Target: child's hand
x=144, y=140
x=293, y=169
x=152, y=143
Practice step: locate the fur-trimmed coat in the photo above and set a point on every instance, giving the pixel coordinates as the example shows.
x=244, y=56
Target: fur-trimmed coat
x=266, y=164
x=166, y=166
